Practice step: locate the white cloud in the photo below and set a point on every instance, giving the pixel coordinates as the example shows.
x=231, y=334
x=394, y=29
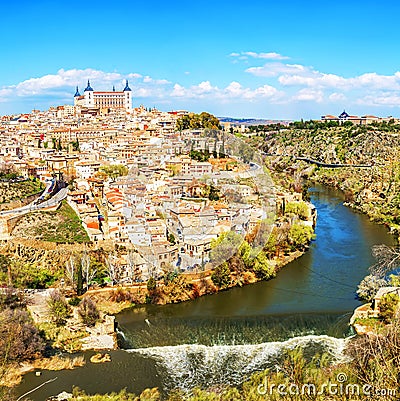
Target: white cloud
x=300, y=75
x=64, y=81
x=179, y=91
x=388, y=99
x=277, y=69
x=337, y=97
x=134, y=75
x=266, y=56
x=309, y=95
x=148, y=79
x=233, y=91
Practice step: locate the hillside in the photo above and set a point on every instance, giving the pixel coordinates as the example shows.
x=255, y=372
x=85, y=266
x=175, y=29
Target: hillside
x=12, y=194
x=61, y=226
x=374, y=190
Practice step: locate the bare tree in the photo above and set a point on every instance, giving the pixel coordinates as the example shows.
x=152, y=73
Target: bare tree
x=112, y=268
x=134, y=271
x=87, y=272
x=70, y=271
x=387, y=259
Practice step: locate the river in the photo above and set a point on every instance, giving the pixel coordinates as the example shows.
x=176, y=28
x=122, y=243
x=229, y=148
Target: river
x=222, y=338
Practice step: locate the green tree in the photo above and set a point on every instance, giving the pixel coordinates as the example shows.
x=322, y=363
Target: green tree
x=300, y=236
x=151, y=284
x=79, y=280
x=388, y=307
x=115, y=170
x=213, y=193
x=297, y=208
x=196, y=121
x=221, y=276
x=58, y=307
x=262, y=267
x=224, y=247
x=171, y=238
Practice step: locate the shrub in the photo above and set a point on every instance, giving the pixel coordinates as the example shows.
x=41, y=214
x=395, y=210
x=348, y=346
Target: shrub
x=151, y=284
x=74, y=301
x=221, y=276
x=388, y=306
x=19, y=338
x=121, y=295
x=58, y=307
x=88, y=312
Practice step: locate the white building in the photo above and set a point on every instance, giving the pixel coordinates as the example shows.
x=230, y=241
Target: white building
x=113, y=99
x=87, y=169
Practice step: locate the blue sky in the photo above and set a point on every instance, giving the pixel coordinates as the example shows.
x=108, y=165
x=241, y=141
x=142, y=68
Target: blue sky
x=279, y=60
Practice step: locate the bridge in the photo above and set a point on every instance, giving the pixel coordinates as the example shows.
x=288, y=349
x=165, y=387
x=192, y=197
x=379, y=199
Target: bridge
x=330, y=165
x=317, y=162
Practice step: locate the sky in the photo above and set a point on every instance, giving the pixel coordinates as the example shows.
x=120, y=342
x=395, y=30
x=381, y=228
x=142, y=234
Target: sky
x=254, y=59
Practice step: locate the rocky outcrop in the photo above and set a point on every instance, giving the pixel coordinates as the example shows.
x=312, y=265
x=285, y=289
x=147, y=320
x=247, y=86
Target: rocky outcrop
x=39, y=253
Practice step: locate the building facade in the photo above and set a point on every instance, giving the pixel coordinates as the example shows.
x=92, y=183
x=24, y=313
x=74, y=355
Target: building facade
x=100, y=100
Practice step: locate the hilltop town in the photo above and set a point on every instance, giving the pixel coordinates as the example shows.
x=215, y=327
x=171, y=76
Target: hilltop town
x=159, y=187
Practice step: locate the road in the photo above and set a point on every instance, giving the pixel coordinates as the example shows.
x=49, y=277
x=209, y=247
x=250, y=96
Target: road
x=53, y=201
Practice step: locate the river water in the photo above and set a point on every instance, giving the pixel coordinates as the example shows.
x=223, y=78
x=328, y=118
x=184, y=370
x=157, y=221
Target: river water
x=225, y=337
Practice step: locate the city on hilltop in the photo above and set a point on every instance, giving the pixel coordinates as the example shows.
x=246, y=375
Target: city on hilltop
x=136, y=179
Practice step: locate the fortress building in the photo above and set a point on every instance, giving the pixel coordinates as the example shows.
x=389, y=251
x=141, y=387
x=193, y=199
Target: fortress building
x=113, y=99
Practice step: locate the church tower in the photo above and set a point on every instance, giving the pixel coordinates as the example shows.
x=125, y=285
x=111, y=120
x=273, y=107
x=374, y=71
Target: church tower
x=76, y=96
x=88, y=93
x=128, y=96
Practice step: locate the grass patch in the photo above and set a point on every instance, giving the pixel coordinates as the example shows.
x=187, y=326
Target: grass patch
x=12, y=191
x=60, y=226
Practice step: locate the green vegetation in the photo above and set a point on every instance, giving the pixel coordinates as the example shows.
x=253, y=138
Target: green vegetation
x=196, y=121
x=15, y=191
x=300, y=236
x=199, y=155
x=29, y=275
x=372, y=190
x=297, y=208
x=221, y=276
x=62, y=226
x=58, y=308
x=388, y=306
x=114, y=171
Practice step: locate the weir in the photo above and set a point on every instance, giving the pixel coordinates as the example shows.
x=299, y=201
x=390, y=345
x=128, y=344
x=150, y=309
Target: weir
x=187, y=366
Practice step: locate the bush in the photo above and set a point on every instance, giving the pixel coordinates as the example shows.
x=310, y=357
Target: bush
x=19, y=338
x=151, y=284
x=58, y=307
x=121, y=295
x=88, y=312
x=388, y=306
x=11, y=298
x=221, y=276
x=74, y=301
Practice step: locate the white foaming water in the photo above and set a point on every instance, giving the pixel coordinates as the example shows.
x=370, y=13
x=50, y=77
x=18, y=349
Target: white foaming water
x=187, y=366
x=121, y=333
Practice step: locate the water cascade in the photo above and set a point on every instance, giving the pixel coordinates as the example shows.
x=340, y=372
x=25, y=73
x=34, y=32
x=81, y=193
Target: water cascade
x=187, y=366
